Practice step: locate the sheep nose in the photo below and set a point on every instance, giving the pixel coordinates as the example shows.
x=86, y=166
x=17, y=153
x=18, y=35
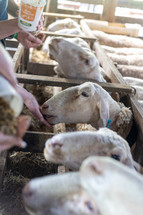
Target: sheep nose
x=44, y=106
x=27, y=192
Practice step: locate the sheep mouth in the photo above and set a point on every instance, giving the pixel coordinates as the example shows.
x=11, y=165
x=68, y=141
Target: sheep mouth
x=47, y=153
x=49, y=118
x=52, y=48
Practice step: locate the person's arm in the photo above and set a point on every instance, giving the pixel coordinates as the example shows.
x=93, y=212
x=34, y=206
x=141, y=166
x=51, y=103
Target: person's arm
x=28, y=40
x=8, y=141
x=12, y=8
x=7, y=67
x=32, y=104
x=8, y=28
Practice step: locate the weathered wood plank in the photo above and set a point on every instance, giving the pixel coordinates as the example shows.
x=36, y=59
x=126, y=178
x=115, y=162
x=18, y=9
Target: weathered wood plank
x=86, y=29
x=59, y=15
x=52, y=6
x=63, y=82
x=87, y=15
x=17, y=56
x=109, y=7
x=48, y=33
x=35, y=141
x=89, y=1
x=3, y=158
x=108, y=65
x=12, y=43
x=40, y=69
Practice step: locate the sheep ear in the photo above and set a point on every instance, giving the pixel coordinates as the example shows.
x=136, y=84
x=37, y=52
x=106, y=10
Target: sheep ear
x=103, y=112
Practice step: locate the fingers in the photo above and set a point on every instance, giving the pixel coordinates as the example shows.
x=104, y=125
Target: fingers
x=41, y=36
x=40, y=24
x=8, y=141
x=34, y=39
x=39, y=115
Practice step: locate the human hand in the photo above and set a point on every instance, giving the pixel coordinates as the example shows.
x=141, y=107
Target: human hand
x=40, y=24
x=32, y=104
x=8, y=141
x=7, y=67
x=28, y=40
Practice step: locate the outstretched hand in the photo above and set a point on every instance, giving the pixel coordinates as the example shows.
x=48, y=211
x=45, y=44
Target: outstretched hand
x=32, y=104
x=28, y=40
x=7, y=67
x=8, y=141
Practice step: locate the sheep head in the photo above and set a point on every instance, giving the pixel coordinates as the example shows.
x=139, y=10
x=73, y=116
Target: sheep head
x=70, y=149
x=56, y=195
x=74, y=57
x=86, y=103
x=112, y=185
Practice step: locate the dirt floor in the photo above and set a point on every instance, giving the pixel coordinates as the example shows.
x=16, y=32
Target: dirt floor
x=21, y=167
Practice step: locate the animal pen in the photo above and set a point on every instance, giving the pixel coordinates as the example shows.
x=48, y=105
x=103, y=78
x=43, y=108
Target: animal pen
x=42, y=74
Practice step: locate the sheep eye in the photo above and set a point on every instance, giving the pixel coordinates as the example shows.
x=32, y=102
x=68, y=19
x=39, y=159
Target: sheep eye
x=116, y=157
x=87, y=62
x=84, y=94
x=89, y=205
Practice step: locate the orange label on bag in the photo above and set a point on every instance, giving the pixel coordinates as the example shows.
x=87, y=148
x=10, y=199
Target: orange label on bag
x=28, y=12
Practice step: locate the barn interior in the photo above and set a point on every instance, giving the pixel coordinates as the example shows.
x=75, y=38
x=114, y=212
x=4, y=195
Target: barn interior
x=113, y=30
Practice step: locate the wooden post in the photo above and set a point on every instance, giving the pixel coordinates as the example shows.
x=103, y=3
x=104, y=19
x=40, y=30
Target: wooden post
x=50, y=7
x=109, y=7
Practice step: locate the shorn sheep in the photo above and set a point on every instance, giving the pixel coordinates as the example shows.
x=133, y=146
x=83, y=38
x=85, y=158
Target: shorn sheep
x=118, y=40
x=130, y=70
x=136, y=60
x=88, y=103
x=137, y=83
x=123, y=51
x=80, y=61
x=63, y=24
x=115, y=188
x=70, y=149
x=58, y=195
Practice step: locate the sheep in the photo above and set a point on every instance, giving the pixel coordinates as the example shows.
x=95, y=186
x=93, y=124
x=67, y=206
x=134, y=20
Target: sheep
x=133, y=71
x=115, y=188
x=123, y=51
x=63, y=24
x=58, y=195
x=88, y=103
x=80, y=60
x=141, y=103
x=118, y=40
x=134, y=81
x=136, y=60
x=70, y=149
x=74, y=31
x=137, y=84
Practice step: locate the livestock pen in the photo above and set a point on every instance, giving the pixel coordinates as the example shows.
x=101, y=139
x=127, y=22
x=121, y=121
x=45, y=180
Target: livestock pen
x=33, y=73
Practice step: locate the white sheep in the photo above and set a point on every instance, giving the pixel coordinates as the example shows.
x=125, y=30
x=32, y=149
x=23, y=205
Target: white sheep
x=137, y=83
x=123, y=51
x=141, y=103
x=130, y=70
x=136, y=60
x=134, y=81
x=88, y=103
x=75, y=58
x=63, y=24
x=58, y=195
x=70, y=149
x=115, y=188
x=118, y=40
x=74, y=31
